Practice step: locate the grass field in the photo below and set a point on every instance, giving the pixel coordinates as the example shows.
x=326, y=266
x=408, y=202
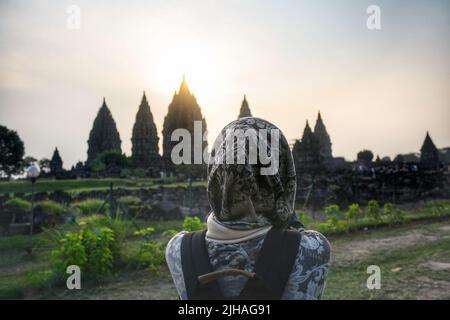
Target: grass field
x=414, y=259
x=76, y=186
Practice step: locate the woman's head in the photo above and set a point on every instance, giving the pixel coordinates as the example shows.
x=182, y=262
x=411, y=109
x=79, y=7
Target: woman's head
x=251, y=175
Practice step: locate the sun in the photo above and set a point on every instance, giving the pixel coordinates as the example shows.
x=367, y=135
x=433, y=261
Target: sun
x=200, y=62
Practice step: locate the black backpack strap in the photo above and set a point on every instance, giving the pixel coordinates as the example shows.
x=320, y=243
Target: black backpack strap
x=195, y=262
x=274, y=265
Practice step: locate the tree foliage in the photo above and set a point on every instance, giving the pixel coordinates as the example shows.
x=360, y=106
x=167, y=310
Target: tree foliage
x=365, y=155
x=11, y=151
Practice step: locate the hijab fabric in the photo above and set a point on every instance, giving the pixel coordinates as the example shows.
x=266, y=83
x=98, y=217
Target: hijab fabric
x=241, y=197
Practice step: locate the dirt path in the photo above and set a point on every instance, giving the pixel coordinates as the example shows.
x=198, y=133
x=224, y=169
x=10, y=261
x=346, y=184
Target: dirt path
x=407, y=275
x=349, y=250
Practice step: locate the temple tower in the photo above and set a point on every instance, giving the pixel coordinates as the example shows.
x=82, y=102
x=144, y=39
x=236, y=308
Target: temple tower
x=182, y=112
x=429, y=154
x=104, y=135
x=145, y=138
x=322, y=136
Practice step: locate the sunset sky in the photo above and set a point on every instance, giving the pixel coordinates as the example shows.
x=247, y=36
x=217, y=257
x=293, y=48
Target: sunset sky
x=376, y=89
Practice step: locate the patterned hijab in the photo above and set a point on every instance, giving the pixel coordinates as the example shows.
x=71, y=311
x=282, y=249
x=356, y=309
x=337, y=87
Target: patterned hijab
x=240, y=196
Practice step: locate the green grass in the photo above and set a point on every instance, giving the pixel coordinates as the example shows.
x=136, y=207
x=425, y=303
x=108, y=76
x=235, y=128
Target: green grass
x=77, y=186
x=348, y=281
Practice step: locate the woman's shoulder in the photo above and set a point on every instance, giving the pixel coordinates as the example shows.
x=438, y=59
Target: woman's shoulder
x=307, y=279
x=173, y=259
x=315, y=245
x=173, y=248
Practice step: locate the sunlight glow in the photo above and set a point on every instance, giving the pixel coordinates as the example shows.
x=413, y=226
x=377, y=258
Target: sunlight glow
x=202, y=63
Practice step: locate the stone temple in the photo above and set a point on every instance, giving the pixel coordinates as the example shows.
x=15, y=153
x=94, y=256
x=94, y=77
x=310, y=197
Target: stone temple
x=314, y=148
x=145, y=150
x=182, y=112
x=306, y=152
x=429, y=155
x=56, y=163
x=322, y=136
x=104, y=135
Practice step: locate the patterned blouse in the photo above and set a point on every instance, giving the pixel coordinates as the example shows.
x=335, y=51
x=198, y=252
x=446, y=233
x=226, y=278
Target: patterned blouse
x=306, y=281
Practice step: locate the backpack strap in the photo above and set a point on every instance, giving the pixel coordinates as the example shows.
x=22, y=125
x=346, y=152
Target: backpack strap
x=195, y=262
x=274, y=265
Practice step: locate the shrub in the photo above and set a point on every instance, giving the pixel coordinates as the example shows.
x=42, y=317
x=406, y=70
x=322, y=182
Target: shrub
x=333, y=225
x=121, y=228
x=17, y=204
x=70, y=252
x=152, y=252
x=89, y=206
x=304, y=218
x=373, y=210
x=153, y=255
x=193, y=224
x=333, y=211
x=132, y=204
x=99, y=246
x=91, y=250
x=50, y=207
x=438, y=208
x=394, y=214
x=353, y=213
x=144, y=232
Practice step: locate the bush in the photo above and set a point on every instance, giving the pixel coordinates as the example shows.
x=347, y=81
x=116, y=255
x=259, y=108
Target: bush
x=353, y=213
x=373, y=210
x=89, y=206
x=333, y=211
x=333, y=225
x=193, y=224
x=438, y=208
x=394, y=214
x=17, y=204
x=50, y=207
x=152, y=255
x=91, y=250
x=133, y=205
x=304, y=218
x=152, y=252
x=70, y=252
x=120, y=226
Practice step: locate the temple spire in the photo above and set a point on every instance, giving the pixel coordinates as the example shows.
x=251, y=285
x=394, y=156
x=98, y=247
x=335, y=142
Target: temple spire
x=184, y=89
x=307, y=132
x=429, y=154
x=245, y=109
x=322, y=136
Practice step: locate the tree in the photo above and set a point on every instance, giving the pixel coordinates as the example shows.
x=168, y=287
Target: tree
x=28, y=161
x=110, y=162
x=11, y=151
x=44, y=163
x=365, y=155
